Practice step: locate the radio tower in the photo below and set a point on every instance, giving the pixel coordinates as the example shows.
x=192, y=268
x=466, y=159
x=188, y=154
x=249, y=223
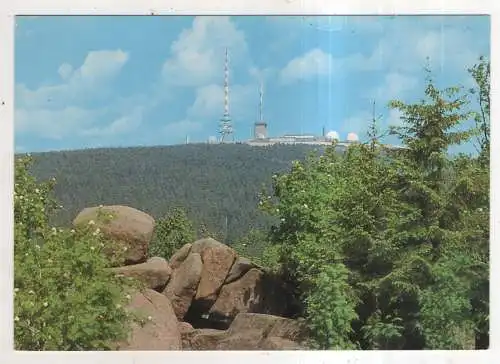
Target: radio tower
x=225, y=125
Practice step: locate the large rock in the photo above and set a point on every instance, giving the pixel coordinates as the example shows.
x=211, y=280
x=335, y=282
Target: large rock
x=254, y=321
x=179, y=256
x=217, y=260
x=182, y=286
x=202, y=339
x=247, y=332
x=240, y=267
x=247, y=340
x=278, y=343
x=155, y=273
x=242, y=295
x=131, y=229
x=159, y=328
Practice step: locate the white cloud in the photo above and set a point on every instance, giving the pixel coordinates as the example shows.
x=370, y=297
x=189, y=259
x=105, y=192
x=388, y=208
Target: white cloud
x=395, y=85
x=198, y=53
x=209, y=101
x=314, y=63
x=59, y=110
x=406, y=46
x=121, y=125
x=97, y=70
x=53, y=124
x=65, y=70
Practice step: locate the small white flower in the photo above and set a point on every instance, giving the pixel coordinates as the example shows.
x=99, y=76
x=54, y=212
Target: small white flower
x=282, y=219
x=16, y=318
x=72, y=231
x=96, y=232
x=37, y=190
x=91, y=222
x=54, y=230
x=45, y=304
x=37, y=246
x=127, y=297
x=149, y=318
x=16, y=289
x=305, y=205
x=125, y=248
x=100, y=206
x=92, y=248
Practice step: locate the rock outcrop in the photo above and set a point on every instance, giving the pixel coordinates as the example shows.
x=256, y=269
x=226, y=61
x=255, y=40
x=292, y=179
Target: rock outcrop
x=180, y=256
x=129, y=228
x=217, y=260
x=205, y=297
x=154, y=274
x=227, y=285
x=158, y=327
x=249, y=332
x=183, y=285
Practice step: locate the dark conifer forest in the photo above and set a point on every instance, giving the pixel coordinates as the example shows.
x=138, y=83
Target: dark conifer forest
x=210, y=182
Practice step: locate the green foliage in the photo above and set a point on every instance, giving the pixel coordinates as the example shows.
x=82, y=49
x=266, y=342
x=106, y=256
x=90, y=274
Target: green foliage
x=171, y=233
x=481, y=74
x=331, y=308
x=410, y=228
x=65, y=298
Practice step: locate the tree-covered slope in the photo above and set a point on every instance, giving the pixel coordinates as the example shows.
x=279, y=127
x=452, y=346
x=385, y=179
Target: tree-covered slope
x=211, y=182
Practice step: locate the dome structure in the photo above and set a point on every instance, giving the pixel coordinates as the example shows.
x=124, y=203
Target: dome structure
x=332, y=135
x=352, y=137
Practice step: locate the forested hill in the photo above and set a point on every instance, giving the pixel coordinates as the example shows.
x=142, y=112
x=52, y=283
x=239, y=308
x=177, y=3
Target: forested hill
x=209, y=181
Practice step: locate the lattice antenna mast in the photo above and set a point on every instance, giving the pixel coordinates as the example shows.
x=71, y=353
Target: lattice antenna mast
x=225, y=126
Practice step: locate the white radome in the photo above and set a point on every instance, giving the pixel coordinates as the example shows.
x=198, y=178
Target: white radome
x=332, y=135
x=352, y=137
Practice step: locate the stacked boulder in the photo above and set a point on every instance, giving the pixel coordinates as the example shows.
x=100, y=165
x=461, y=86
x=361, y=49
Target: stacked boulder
x=133, y=230
x=211, y=284
x=232, y=303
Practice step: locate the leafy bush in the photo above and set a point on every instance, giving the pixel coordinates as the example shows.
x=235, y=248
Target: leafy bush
x=331, y=307
x=64, y=296
x=389, y=249
x=171, y=232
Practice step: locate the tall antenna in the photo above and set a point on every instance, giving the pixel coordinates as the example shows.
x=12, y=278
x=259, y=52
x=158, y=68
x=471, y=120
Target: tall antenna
x=225, y=126
x=261, y=94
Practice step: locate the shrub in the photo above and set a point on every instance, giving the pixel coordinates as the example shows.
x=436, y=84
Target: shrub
x=171, y=232
x=65, y=298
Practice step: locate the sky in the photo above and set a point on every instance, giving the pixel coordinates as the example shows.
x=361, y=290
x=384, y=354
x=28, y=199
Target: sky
x=114, y=81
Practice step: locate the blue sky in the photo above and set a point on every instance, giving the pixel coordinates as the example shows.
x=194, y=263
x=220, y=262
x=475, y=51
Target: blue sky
x=99, y=81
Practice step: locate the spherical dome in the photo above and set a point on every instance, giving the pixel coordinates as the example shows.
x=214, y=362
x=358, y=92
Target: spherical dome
x=352, y=137
x=332, y=135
